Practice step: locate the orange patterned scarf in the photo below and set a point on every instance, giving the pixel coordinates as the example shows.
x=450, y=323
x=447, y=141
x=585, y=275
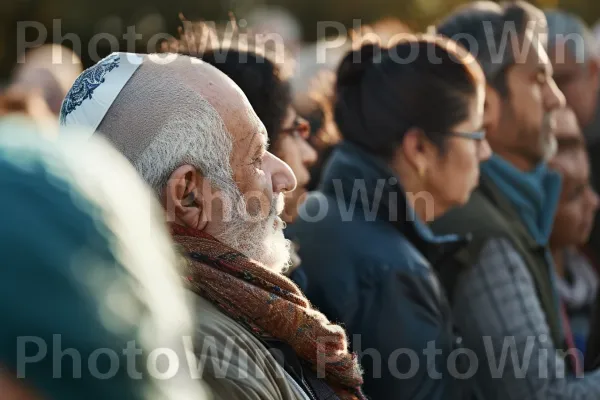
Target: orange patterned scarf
x=270, y=305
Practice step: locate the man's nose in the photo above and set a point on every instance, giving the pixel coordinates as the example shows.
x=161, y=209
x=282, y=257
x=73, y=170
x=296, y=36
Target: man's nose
x=282, y=176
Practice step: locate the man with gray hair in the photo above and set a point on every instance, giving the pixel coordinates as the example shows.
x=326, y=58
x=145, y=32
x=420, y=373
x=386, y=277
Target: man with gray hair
x=192, y=135
x=503, y=287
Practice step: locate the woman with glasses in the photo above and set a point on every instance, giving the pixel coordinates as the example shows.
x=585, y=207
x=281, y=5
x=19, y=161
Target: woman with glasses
x=411, y=118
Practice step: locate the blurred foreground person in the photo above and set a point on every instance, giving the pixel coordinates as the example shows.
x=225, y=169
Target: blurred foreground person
x=49, y=71
x=89, y=276
x=503, y=287
x=577, y=282
x=192, y=135
x=365, y=247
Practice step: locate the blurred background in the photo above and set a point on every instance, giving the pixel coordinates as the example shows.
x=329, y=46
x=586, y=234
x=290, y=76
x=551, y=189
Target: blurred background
x=58, y=21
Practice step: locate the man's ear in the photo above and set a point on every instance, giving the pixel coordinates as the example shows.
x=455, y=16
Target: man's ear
x=183, y=198
x=415, y=149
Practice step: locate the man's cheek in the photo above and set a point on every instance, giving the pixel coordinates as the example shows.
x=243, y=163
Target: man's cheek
x=253, y=206
x=258, y=204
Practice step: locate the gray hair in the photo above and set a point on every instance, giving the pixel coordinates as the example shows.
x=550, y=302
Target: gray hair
x=160, y=122
x=573, y=31
x=168, y=125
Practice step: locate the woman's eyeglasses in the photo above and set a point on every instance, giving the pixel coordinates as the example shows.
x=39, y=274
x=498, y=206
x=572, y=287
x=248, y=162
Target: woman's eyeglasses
x=300, y=128
x=478, y=135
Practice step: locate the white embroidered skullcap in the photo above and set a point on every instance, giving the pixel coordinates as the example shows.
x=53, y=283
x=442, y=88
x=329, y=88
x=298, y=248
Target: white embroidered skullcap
x=96, y=89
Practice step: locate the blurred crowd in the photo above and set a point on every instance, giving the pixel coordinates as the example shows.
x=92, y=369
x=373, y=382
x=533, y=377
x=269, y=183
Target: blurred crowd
x=414, y=216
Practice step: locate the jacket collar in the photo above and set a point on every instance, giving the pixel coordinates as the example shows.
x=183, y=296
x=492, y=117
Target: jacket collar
x=363, y=185
x=534, y=194
x=495, y=195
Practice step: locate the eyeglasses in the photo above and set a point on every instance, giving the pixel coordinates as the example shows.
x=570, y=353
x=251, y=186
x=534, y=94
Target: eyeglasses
x=300, y=128
x=478, y=135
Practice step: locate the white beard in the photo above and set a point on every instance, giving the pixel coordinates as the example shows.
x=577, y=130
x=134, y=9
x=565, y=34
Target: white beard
x=262, y=241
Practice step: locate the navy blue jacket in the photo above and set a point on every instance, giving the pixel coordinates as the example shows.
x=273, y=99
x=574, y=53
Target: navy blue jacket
x=367, y=263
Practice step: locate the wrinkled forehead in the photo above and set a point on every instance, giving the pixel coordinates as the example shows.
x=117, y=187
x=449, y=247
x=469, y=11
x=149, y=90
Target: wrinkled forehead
x=223, y=94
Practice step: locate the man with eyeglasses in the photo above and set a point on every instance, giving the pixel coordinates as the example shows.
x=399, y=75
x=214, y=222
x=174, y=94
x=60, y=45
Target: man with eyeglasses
x=502, y=286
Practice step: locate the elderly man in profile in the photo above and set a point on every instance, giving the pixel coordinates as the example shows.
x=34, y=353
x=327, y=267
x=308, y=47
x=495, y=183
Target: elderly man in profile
x=192, y=135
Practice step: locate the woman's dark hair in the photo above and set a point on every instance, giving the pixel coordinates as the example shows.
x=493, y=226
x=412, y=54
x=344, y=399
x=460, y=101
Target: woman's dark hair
x=426, y=82
x=261, y=81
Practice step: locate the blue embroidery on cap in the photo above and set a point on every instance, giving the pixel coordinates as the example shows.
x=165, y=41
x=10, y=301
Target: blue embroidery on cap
x=86, y=84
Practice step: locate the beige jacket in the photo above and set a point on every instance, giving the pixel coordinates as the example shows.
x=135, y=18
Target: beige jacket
x=233, y=363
